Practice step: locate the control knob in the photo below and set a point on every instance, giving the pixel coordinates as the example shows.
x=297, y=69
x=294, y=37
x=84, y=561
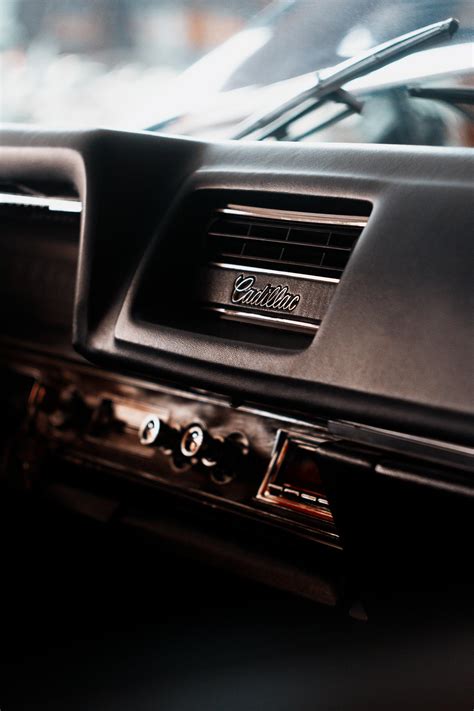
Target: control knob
x=71, y=411
x=222, y=453
x=154, y=432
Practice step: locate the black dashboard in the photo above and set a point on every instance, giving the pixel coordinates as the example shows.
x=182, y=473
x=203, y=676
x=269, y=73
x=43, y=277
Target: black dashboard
x=273, y=348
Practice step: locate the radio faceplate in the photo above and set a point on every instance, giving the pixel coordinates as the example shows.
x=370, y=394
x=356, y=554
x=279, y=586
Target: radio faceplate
x=293, y=479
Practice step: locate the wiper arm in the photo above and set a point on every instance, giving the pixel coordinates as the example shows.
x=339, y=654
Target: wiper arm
x=330, y=81
x=460, y=98
x=451, y=95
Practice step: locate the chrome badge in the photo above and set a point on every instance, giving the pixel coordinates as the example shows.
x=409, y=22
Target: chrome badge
x=278, y=298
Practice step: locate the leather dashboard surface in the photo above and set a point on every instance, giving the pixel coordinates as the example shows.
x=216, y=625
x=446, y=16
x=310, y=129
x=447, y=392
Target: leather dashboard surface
x=396, y=346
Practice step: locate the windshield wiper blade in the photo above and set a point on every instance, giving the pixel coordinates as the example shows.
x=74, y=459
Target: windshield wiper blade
x=330, y=81
x=450, y=95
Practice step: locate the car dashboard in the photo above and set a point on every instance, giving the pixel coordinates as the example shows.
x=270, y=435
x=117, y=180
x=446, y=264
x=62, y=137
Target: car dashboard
x=260, y=353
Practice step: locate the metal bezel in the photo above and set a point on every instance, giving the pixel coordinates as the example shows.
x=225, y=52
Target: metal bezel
x=295, y=216
x=282, y=441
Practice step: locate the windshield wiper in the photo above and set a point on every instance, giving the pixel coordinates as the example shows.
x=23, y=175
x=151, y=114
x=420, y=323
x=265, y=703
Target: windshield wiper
x=459, y=98
x=456, y=95
x=329, y=82
x=451, y=95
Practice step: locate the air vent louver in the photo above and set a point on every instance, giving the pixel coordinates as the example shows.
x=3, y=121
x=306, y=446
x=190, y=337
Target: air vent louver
x=317, y=245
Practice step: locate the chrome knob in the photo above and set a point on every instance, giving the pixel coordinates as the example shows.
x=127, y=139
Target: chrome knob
x=223, y=455
x=194, y=441
x=156, y=433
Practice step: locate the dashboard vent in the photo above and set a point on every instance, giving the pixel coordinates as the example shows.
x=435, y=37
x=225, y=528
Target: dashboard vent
x=283, y=241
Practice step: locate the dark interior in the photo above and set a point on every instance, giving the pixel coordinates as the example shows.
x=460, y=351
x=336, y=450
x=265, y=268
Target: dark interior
x=262, y=504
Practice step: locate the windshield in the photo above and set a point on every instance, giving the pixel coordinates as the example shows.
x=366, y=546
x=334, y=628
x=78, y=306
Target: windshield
x=308, y=35
x=202, y=67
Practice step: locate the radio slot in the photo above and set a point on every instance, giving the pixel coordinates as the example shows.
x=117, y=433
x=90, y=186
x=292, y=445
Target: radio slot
x=293, y=479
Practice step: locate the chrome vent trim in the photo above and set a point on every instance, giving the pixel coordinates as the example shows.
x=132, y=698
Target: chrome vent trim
x=281, y=322
x=294, y=216
x=273, y=272
x=283, y=242
x=51, y=203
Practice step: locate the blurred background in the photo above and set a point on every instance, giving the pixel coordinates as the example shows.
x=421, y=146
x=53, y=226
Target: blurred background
x=199, y=67
x=104, y=61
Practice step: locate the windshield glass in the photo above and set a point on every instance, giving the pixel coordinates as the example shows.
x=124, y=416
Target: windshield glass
x=202, y=67
x=308, y=35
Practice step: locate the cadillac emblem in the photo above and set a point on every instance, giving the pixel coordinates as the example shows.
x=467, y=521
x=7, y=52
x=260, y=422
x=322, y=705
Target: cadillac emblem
x=277, y=298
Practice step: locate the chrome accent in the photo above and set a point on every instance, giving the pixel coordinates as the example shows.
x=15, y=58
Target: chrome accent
x=192, y=440
x=26, y=358
x=296, y=422
x=275, y=272
x=282, y=440
x=294, y=216
x=277, y=297
x=149, y=430
x=247, y=316
x=413, y=445
x=309, y=497
x=52, y=203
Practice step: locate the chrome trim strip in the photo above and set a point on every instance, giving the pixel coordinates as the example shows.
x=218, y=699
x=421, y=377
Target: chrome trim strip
x=34, y=361
x=423, y=447
x=294, y=216
x=53, y=204
x=276, y=272
x=289, y=324
x=314, y=426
